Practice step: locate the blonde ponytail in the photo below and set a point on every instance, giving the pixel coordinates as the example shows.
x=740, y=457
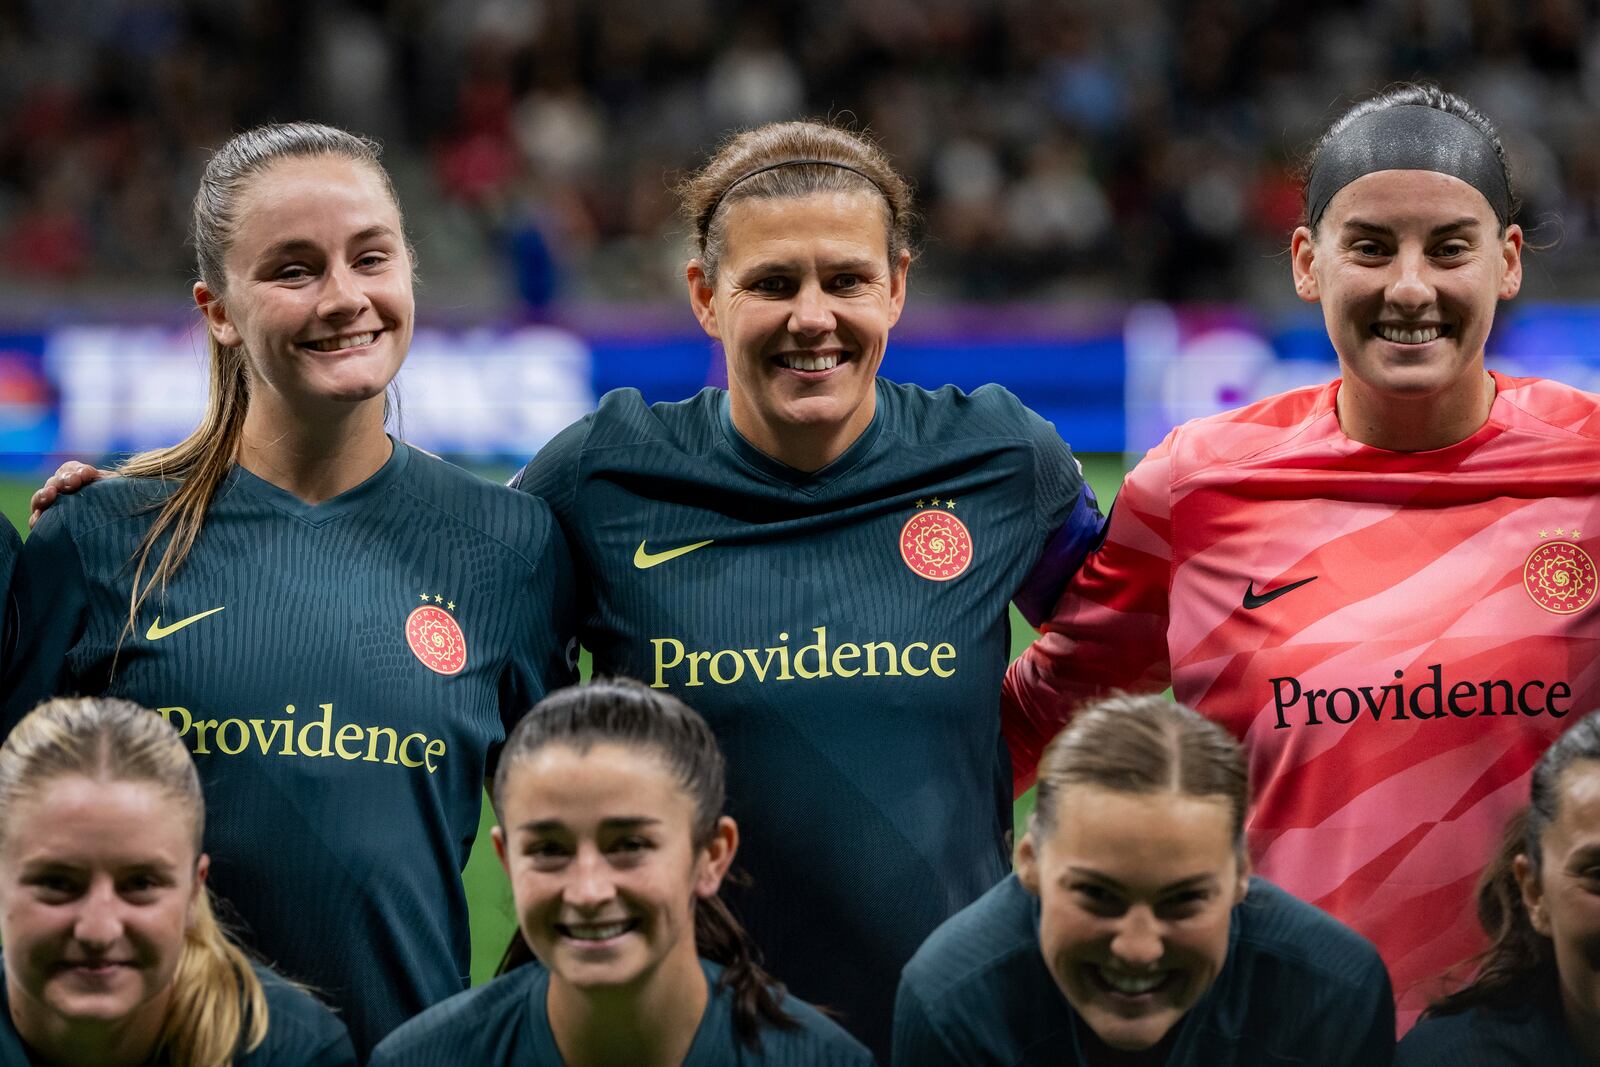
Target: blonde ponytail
x=219, y=1009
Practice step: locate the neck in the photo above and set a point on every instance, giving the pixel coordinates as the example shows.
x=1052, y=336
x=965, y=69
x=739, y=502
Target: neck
x=58, y=1042
x=805, y=447
x=1419, y=424
x=315, y=458
x=648, y=1023
x=1582, y=1024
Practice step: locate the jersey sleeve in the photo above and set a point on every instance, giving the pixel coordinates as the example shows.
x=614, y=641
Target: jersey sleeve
x=1366, y=1035
x=1108, y=630
x=917, y=1041
x=547, y=660
x=1069, y=521
x=552, y=475
x=51, y=596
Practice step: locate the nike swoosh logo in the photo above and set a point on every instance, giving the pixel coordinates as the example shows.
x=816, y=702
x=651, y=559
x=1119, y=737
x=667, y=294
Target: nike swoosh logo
x=645, y=560
x=157, y=631
x=1252, y=601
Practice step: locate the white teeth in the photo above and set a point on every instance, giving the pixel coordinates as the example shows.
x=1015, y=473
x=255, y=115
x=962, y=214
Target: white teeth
x=1408, y=337
x=596, y=932
x=801, y=361
x=334, y=344
x=1131, y=985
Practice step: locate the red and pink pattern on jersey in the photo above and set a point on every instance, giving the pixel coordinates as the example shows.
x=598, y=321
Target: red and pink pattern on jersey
x=1370, y=625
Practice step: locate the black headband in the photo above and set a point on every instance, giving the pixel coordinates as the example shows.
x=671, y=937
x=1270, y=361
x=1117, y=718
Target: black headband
x=711, y=213
x=1408, y=137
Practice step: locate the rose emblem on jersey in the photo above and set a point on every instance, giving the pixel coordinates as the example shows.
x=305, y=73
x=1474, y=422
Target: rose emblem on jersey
x=436, y=639
x=936, y=544
x=1560, y=577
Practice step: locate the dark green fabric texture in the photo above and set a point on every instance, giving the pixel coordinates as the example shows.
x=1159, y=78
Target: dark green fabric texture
x=856, y=699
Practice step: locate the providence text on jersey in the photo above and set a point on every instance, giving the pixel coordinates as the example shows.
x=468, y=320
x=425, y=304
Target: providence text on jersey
x=780, y=663
x=309, y=737
x=1428, y=700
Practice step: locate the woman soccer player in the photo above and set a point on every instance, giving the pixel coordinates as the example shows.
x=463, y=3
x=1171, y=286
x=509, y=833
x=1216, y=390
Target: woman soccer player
x=341, y=627
x=609, y=799
x=112, y=955
x=1385, y=586
x=820, y=561
x=1536, y=997
x=1132, y=932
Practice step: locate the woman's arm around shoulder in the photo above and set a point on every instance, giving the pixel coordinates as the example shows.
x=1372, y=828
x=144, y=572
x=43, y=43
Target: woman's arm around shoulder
x=1109, y=628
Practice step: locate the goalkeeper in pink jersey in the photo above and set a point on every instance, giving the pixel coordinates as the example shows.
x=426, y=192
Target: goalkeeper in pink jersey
x=1384, y=586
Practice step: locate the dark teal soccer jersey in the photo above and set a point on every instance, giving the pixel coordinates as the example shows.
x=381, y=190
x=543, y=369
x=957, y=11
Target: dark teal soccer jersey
x=10, y=548
x=505, y=1024
x=1298, y=987
x=344, y=674
x=1526, y=1033
x=844, y=632
x=300, y=1033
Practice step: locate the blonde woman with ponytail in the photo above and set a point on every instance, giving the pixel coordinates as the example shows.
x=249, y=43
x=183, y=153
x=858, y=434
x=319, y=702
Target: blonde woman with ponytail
x=340, y=627
x=112, y=954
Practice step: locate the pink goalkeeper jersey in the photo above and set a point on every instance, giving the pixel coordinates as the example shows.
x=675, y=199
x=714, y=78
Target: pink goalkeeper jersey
x=1395, y=637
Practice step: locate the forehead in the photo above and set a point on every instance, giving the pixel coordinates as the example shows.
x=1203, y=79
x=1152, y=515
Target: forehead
x=1408, y=199
x=845, y=223
x=324, y=197
x=1578, y=814
x=78, y=819
x=1140, y=837
x=606, y=781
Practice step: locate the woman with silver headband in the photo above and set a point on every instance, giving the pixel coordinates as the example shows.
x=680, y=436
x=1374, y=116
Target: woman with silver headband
x=1384, y=586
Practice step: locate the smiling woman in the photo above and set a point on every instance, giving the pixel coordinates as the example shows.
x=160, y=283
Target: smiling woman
x=609, y=799
x=341, y=627
x=1132, y=931
x=820, y=560
x=1356, y=578
x=112, y=955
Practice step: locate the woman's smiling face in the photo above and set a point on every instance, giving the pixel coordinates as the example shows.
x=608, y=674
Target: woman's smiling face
x=604, y=868
x=804, y=297
x=1409, y=266
x=1136, y=895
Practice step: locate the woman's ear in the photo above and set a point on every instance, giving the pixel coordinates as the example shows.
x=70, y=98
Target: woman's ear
x=498, y=836
x=899, y=270
x=202, y=868
x=1302, y=257
x=1529, y=883
x=701, y=291
x=717, y=857
x=215, y=311
x=1027, y=860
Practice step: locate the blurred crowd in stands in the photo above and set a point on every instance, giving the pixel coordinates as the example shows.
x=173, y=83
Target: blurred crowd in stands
x=1096, y=150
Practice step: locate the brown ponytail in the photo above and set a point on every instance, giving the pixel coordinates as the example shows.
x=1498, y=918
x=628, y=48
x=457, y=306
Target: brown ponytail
x=622, y=711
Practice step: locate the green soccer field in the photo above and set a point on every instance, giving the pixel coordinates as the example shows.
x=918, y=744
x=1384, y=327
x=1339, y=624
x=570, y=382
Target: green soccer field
x=488, y=893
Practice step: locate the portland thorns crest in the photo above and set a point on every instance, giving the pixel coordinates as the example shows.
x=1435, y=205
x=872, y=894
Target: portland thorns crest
x=934, y=543
x=436, y=638
x=1560, y=576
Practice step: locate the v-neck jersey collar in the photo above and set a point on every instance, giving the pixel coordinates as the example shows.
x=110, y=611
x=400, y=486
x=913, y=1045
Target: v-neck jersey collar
x=808, y=482
x=351, y=499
